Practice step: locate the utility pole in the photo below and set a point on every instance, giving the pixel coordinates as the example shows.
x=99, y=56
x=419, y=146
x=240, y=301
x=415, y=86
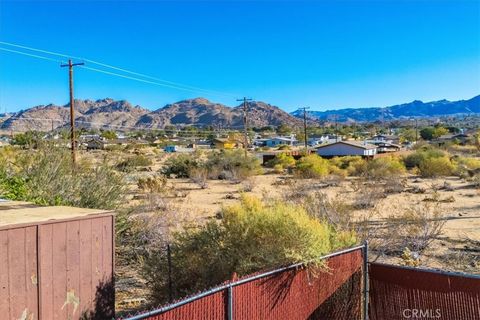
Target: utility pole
x=245, y=123
x=70, y=66
x=335, y=117
x=416, y=130
x=305, y=127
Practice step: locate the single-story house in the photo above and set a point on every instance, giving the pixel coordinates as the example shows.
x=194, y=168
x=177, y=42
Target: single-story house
x=384, y=147
x=278, y=141
x=385, y=138
x=100, y=144
x=329, y=138
x=347, y=148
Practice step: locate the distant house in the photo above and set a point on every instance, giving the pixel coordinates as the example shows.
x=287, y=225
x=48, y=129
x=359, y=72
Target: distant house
x=329, y=138
x=88, y=137
x=220, y=143
x=385, y=147
x=279, y=141
x=347, y=148
x=101, y=144
x=170, y=148
x=384, y=138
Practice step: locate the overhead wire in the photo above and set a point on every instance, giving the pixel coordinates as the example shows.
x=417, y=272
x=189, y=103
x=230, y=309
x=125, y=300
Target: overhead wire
x=30, y=55
x=176, y=84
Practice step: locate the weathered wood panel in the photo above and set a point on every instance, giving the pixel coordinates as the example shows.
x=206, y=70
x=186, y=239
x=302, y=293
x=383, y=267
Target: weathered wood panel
x=76, y=268
x=70, y=277
x=18, y=273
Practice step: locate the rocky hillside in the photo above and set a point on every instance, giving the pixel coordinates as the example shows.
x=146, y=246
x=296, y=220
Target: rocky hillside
x=412, y=109
x=108, y=113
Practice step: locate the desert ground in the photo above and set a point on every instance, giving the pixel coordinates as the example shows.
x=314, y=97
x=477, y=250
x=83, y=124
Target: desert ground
x=456, y=248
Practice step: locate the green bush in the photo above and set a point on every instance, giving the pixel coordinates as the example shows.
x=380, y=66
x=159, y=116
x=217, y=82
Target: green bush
x=136, y=161
x=421, y=154
x=283, y=160
x=354, y=165
x=251, y=236
x=180, y=165
x=385, y=167
x=225, y=164
x=232, y=165
x=436, y=167
x=312, y=166
x=464, y=165
x=46, y=177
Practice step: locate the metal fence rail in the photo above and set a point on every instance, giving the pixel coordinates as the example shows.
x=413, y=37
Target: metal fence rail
x=291, y=292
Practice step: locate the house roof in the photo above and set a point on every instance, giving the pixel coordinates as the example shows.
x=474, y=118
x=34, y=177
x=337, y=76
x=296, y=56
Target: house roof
x=452, y=136
x=356, y=144
x=282, y=139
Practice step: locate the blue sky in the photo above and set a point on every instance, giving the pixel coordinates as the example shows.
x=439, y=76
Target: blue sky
x=322, y=54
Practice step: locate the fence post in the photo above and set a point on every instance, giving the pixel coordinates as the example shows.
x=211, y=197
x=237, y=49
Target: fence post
x=365, y=281
x=230, y=303
x=170, y=285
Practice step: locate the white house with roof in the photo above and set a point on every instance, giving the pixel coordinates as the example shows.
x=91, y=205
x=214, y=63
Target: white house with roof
x=329, y=138
x=278, y=141
x=347, y=148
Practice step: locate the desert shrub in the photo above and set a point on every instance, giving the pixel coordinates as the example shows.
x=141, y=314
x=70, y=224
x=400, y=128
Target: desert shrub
x=145, y=227
x=425, y=152
x=416, y=226
x=233, y=165
x=46, y=177
x=283, y=160
x=180, y=165
x=251, y=236
x=278, y=168
x=199, y=176
x=337, y=172
x=436, y=167
x=155, y=184
x=464, y=165
x=476, y=181
x=345, y=162
x=312, y=166
x=284, y=147
x=357, y=167
x=131, y=163
x=385, y=167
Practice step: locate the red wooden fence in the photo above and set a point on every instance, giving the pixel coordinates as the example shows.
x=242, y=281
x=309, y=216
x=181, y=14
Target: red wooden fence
x=407, y=293
x=291, y=293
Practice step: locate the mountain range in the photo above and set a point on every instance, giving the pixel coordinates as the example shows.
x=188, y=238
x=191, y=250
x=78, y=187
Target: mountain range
x=416, y=109
x=109, y=113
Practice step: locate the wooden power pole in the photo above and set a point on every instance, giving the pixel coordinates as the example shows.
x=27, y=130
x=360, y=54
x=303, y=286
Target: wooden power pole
x=245, y=123
x=70, y=66
x=305, y=127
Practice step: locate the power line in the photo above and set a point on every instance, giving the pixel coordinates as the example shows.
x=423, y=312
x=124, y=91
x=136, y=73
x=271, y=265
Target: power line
x=174, y=84
x=105, y=72
x=31, y=55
